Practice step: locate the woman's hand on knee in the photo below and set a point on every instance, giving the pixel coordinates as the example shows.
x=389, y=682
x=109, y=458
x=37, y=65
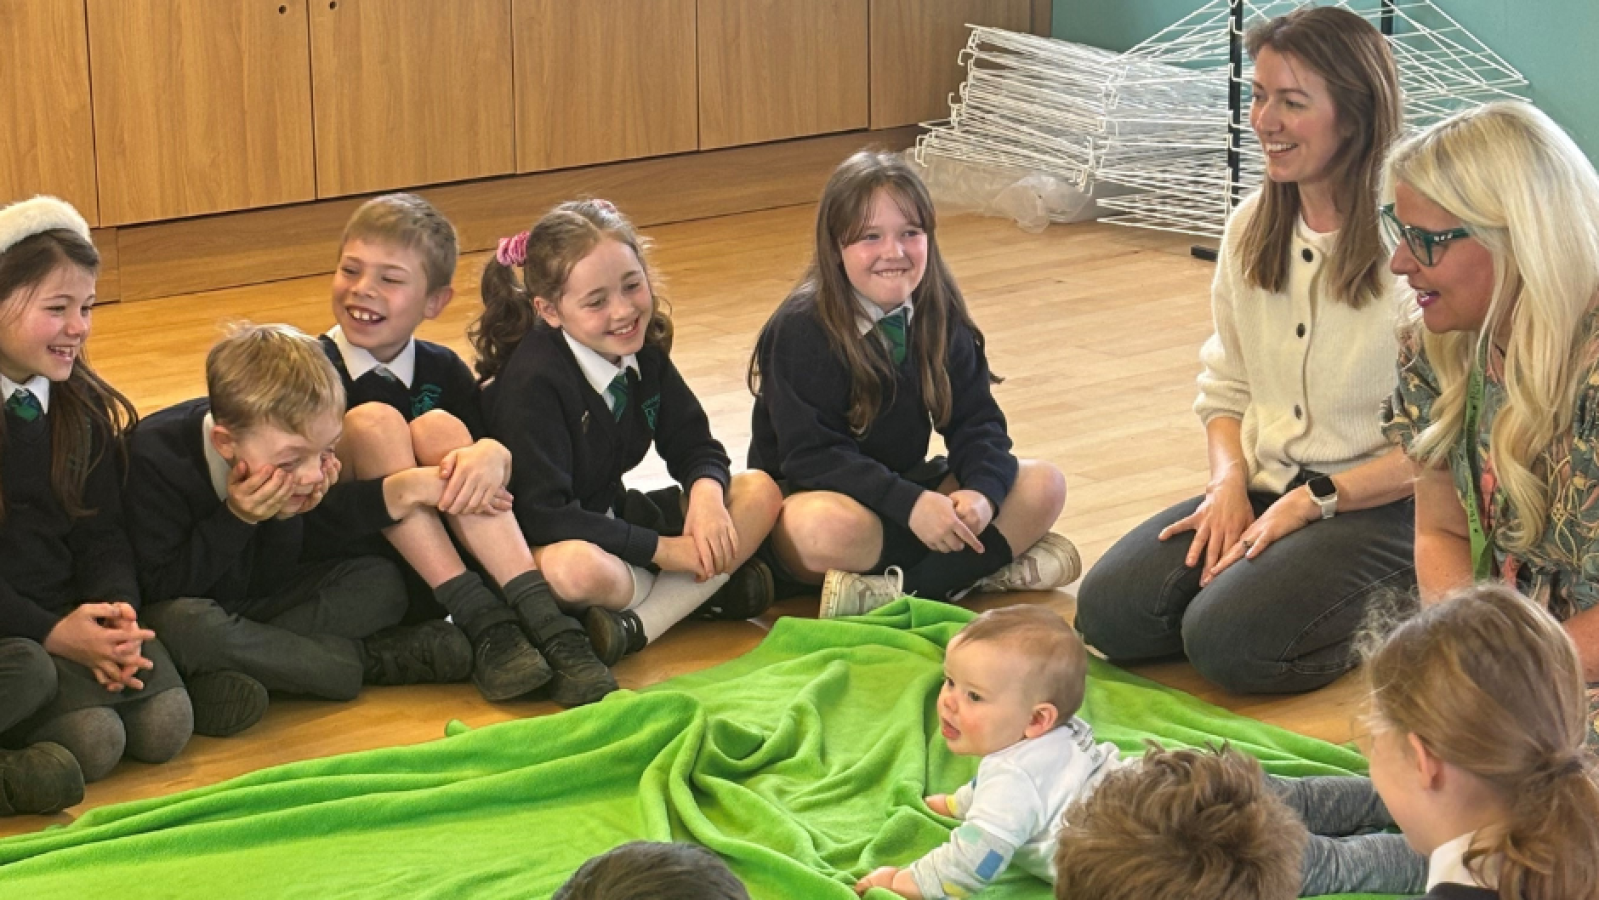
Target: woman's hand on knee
x=1217, y=525
x=1292, y=511
x=936, y=523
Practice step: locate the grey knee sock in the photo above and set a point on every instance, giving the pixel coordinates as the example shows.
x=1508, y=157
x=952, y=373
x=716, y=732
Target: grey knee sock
x=158, y=727
x=94, y=735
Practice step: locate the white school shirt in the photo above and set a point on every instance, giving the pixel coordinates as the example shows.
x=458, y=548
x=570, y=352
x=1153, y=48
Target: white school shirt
x=599, y=371
x=1447, y=865
x=38, y=386
x=359, y=361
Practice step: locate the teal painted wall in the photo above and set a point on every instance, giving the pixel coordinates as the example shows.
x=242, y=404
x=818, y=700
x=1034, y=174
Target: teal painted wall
x=1554, y=43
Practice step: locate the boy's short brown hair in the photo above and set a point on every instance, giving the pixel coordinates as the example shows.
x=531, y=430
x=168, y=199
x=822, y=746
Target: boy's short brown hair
x=271, y=375
x=408, y=221
x=1181, y=825
x=1059, y=661
x=644, y=870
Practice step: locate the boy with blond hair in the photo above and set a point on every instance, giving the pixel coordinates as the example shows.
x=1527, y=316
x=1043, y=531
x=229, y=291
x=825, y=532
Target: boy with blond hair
x=1014, y=679
x=413, y=406
x=225, y=493
x=1182, y=825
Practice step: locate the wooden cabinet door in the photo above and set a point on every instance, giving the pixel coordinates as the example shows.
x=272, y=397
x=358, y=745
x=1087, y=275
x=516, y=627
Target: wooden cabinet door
x=200, y=106
x=410, y=92
x=48, y=146
x=603, y=81
x=774, y=69
x=915, y=44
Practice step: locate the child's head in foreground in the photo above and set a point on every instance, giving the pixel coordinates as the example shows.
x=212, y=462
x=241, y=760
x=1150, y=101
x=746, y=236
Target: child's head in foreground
x=396, y=263
x=1011, y=674
x=1477, y=721
x=277, y=403
x=644, y=870
x=1182, y=825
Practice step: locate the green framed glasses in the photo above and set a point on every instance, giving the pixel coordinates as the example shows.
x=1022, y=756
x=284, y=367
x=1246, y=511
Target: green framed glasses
x=1423, y=244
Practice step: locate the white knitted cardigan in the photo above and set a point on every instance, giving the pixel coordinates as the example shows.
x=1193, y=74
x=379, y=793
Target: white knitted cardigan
x=1305, y=373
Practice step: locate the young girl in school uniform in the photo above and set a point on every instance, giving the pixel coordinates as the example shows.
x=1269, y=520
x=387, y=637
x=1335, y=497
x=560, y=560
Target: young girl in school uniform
x=579, y=386
x=81, y=682
x=872, y=352
x=1476, y=746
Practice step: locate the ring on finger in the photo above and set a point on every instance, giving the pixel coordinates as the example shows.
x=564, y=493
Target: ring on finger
x=1248, y=544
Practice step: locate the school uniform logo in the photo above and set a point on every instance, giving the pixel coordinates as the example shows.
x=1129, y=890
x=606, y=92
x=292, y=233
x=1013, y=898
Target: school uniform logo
x=425, y=399
x=652, y=408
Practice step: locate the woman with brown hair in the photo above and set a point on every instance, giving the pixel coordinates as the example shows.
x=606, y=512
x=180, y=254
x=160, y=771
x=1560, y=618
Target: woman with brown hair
x=1307, y=513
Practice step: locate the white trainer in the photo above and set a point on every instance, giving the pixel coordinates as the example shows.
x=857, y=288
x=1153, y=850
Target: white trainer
x=1051, y=563
x=849, y=594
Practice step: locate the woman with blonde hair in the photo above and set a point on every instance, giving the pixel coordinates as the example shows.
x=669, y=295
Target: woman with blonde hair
x=1264, y=578
x=1496, y=221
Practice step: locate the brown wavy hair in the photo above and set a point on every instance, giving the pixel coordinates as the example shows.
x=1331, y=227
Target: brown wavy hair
x=840, y=220
x=556, y=244
x=1181, y=825
x=1354, y=59
x=1490, y=683
x=88, y=416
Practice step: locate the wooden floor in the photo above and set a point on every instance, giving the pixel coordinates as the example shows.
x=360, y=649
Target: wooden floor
x=1095, y=328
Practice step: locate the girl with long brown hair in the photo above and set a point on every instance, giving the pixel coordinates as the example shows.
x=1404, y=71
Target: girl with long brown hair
x=871, y=353
x=81, y=680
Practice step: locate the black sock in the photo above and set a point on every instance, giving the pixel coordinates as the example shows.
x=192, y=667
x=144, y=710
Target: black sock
x=940, y=576
x=472, y=606
x=534, y=602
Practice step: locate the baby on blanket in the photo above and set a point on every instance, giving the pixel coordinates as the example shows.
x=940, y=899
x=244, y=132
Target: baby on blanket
x=1014, y=679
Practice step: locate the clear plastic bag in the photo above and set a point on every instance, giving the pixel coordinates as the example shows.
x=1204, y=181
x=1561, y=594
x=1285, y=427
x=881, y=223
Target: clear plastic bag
x=1031, y=199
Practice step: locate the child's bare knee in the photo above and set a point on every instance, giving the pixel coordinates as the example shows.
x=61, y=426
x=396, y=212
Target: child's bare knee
x=435, y=434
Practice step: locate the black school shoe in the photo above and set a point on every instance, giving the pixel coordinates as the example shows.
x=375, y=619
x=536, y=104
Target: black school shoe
x=225, y=703
x=749, y=592
x=580, y=677
x=38, y=780
x=505, y=665
x=430, y=653
x=613, y=635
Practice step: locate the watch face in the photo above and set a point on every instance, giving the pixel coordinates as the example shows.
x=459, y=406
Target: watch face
x=1322, y=487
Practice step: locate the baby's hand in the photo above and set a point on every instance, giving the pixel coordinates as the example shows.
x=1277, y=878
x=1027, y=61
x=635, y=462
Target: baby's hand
x=883, y=878
x=890, y=879
x=939, y=803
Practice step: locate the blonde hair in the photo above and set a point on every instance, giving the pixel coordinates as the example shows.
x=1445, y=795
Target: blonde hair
x=1057, y=659
x=271, y=375
x=411, y=222
x=1528, y=195
x=1353, y=59
x=1181, y=825
x=557, y=243
x=1491, y=684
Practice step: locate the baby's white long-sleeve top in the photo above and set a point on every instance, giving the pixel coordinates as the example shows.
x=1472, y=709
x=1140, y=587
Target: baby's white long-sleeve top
x=1013, y=810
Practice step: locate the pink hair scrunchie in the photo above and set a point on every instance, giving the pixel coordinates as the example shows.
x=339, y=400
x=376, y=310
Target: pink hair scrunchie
x=606, y=205
x=512, y=251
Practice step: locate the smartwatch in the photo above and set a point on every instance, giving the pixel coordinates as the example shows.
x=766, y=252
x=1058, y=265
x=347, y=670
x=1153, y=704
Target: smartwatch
x=1325, y=493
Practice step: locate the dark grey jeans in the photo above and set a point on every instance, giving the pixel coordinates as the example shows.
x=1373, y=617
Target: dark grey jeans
x=1279, y=623
x=1348, y=851
x=309, y=648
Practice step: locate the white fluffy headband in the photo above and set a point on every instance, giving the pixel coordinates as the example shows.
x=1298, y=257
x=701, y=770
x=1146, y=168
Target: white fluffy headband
x=26, y=218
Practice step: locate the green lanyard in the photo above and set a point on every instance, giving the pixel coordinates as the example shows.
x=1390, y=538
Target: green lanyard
x=1481, y=550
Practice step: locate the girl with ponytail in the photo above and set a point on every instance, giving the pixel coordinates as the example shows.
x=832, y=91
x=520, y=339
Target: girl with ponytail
x=1477, y=720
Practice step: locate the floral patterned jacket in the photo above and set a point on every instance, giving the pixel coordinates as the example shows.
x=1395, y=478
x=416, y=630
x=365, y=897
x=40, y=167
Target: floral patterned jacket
x=1561, y=570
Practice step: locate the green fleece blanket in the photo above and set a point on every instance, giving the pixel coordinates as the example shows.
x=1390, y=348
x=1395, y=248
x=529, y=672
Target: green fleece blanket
x=803, y=763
